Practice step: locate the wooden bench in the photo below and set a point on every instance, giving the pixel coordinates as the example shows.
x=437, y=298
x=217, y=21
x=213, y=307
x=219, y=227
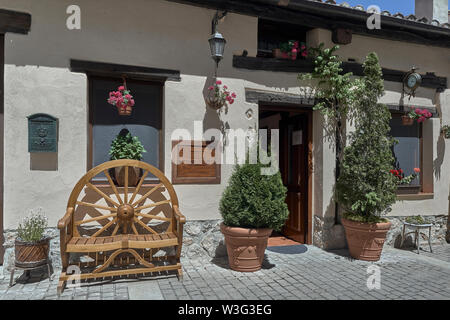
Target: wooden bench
x=110, y=227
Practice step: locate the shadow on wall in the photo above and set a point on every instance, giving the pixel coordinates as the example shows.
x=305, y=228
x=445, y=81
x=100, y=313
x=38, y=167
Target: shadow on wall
x=44, y=161
x=437, y=163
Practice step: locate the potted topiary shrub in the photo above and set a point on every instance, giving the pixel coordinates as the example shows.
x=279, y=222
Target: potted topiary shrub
x=252, y=205
x=125, y=146
x=31, y=245
x=366, y=188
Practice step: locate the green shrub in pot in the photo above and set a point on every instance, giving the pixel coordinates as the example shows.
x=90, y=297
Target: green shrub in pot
x=251, y=206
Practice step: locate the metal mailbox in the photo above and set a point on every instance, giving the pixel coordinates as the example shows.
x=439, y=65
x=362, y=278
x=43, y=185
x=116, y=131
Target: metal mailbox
x=42, y=133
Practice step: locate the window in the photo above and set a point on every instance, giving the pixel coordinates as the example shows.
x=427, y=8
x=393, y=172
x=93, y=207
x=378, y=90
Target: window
x=271, y=34
x=145, y=121
x=408, y=150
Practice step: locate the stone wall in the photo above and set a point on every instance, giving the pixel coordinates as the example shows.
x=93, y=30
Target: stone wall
x=200, y=239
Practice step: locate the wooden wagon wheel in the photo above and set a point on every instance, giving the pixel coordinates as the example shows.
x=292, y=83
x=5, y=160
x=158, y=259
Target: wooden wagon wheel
x=126, y=212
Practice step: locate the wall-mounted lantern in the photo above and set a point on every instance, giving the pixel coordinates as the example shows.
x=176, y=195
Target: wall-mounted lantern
x=217, y=41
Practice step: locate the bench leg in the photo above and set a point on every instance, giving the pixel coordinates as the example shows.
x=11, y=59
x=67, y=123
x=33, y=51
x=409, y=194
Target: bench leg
x=11, y=279
x=429, y=240
x=180, y=274
x=403, y=237
x=61, y=285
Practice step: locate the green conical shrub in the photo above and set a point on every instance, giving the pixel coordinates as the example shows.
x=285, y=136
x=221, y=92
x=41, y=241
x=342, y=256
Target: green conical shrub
x=253, y=200
x=366, y=188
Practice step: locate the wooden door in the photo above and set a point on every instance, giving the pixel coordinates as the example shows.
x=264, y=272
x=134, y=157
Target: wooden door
x=294, y=172
x=2, y=66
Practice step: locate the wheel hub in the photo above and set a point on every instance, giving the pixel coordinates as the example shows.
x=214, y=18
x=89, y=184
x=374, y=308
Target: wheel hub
x=125, y=213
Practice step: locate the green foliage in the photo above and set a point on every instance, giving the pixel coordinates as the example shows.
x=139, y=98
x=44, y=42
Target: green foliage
x=334, y=91
x=446, y=131
x=415, y=219
x=253, y=200
x=125, y=146
x=32, y=228
x=366, y=186
x=367, y=219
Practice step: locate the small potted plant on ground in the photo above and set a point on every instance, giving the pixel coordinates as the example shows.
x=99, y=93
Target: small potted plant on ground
x=125, y=146
x=366, y=189
x=31, y=245
x=252, y=206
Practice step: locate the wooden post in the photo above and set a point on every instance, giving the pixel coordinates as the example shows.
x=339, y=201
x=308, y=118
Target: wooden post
x=2, y=67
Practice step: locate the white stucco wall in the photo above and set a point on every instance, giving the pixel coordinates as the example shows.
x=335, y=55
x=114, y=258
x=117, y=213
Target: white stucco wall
x=161, y=34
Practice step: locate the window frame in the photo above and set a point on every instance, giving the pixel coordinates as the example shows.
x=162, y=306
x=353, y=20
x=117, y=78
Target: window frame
x=90, y=133
x=420, y=187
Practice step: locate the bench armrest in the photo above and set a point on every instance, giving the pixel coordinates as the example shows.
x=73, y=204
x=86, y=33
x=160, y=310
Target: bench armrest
x=66, y=219
x=178, y=215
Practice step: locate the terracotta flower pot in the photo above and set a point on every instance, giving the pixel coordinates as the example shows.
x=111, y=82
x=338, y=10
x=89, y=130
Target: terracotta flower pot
x=134, y=174
x=365, y=240
x=31, y=254
x=407, y=121
x=245, y=247
x=125, y=111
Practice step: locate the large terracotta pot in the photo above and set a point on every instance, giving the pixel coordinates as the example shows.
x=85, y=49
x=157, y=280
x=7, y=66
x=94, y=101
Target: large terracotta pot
x=31, y=254
x=365, y=240
x=134, y=174
x=245, y=247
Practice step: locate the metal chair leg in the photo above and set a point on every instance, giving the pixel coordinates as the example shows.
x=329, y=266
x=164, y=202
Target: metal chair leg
x=403, y=236
x=11, y=279
x=418, y=241
x=429, y=239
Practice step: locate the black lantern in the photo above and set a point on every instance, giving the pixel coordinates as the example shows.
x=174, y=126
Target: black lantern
x=217, y=44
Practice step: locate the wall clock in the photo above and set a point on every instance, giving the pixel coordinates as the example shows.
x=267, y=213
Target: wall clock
x=411, y=82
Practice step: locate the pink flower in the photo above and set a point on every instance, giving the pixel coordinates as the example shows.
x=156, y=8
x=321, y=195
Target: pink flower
x=418, y=111
x=416, y=170
x=211, y=88
x=303, y=47
x=225, y=87
x=231, y=101
x=121, y=88
x=218, y=82
x=304, y=53
x=128, y=96
x=296, y=44
x=233, y=95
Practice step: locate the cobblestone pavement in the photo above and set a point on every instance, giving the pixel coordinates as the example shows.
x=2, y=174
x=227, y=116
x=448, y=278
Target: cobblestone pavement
x=311, y=273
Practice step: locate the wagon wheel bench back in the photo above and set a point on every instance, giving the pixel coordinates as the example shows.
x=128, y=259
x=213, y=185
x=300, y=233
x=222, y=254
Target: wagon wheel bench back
x=124, y=243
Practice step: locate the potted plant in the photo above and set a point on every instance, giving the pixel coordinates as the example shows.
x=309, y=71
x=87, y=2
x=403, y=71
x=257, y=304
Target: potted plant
x=252, y=205
x=419, y=115
x=125, y=146
x=219, y=96
x=31, y=245
x=404, y=182
x=291, y=50
x=123, y=100
x=445, y=131
x=366, y=189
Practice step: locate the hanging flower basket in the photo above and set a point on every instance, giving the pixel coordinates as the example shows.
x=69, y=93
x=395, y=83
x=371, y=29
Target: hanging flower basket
x=122, y=100
x=407, y=121
x=219, y=96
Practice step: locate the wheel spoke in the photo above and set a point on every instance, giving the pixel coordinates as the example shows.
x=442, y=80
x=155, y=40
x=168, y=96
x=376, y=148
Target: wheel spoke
x=134, y=228
x=151, y=205
x=77, y=223
x=145, y=196
x=126, y=185
x=138, y=186
x=150, y=216
x=106, y=226
x=113, y=186
x=115, y=229
x=106, y=197
x=87, y=204
x=145, y=226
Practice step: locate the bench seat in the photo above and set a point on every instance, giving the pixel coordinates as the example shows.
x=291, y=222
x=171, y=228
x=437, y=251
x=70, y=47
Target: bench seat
x=123, y=241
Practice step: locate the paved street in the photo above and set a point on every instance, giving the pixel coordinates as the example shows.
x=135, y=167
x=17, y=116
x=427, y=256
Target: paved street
x=300, y=272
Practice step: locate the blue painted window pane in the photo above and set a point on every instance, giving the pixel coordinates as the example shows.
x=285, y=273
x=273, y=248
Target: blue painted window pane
x=144, y=122
x=407, y=151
